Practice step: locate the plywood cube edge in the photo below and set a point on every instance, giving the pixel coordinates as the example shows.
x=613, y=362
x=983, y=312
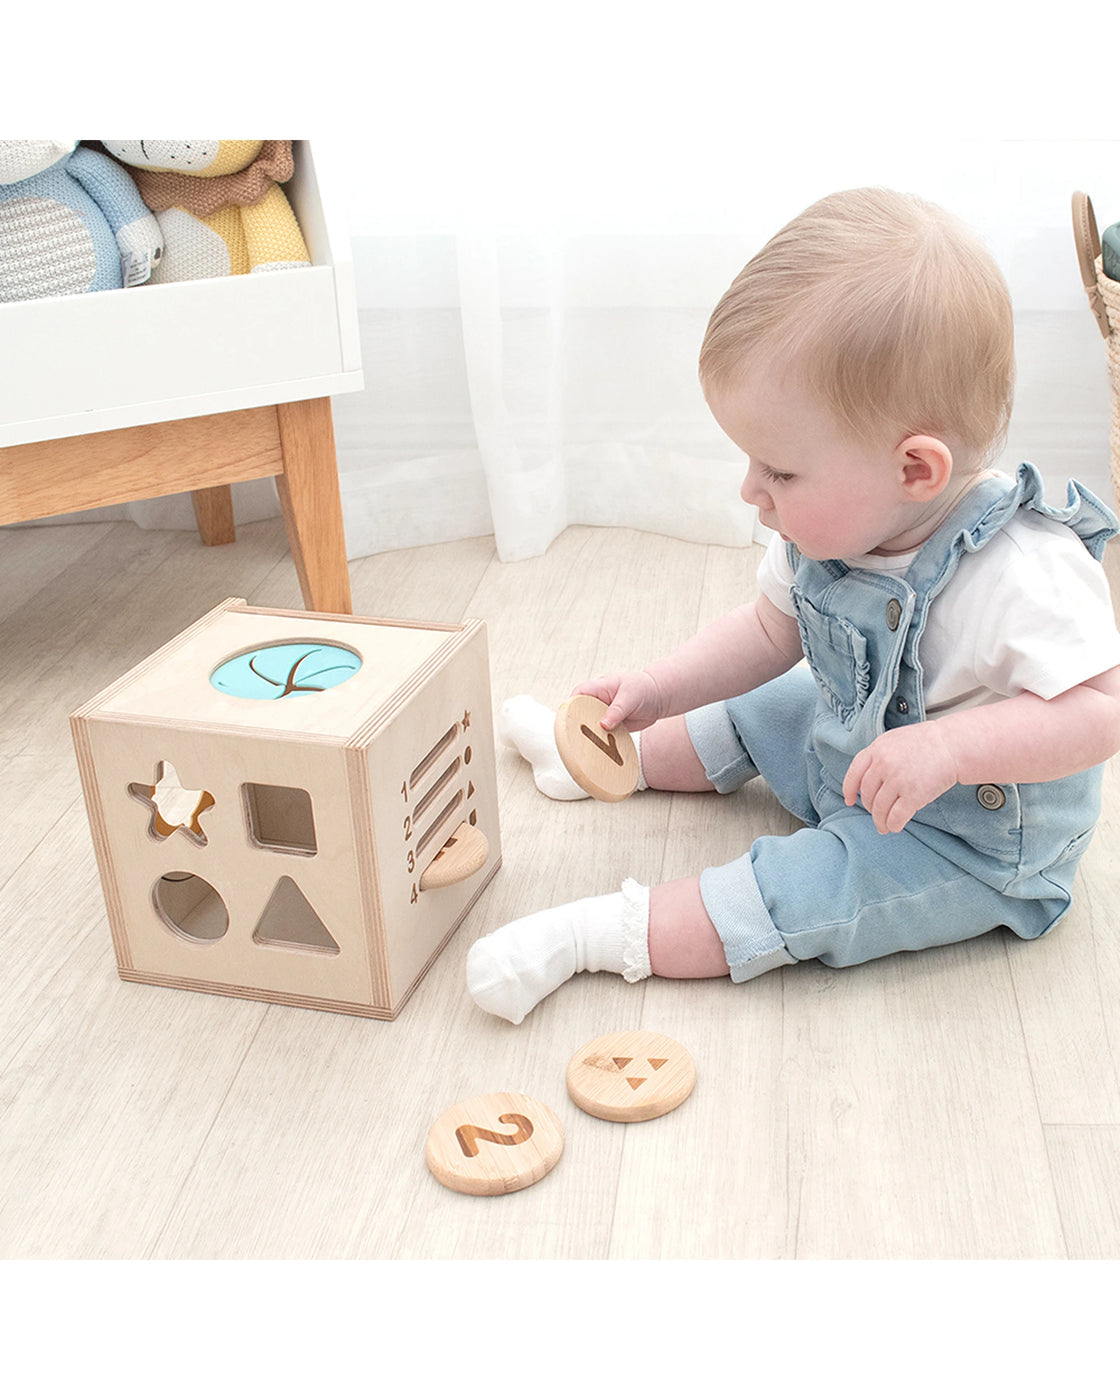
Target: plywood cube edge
x=99, y=837
x=226, y=989
x=239, y=605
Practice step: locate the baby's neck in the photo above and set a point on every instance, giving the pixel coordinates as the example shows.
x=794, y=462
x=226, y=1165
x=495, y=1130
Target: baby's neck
x=930, y=517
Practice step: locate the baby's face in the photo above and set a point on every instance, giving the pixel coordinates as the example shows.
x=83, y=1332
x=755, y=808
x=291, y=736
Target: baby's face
x=832, y=496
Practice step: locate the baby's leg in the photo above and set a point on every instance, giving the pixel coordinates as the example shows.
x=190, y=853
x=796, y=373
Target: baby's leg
x=669, y=761
x=665, y=931
x=683, y=941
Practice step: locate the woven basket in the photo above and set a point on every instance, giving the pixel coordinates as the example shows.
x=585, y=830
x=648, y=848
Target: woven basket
x=1104, y=302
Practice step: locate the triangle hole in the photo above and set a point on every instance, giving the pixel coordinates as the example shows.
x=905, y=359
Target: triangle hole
x=290, y=922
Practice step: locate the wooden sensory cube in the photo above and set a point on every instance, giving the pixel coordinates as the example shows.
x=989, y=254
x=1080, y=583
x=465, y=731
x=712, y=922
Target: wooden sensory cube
x=293, y=807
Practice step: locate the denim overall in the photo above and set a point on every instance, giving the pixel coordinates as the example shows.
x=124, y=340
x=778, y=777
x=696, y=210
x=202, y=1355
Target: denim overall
x=976, y=858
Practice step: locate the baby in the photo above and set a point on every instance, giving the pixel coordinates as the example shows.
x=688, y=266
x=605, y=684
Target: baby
x=944, y=745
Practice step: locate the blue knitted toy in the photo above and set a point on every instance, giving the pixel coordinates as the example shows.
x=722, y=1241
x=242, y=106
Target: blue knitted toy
x=70, y=221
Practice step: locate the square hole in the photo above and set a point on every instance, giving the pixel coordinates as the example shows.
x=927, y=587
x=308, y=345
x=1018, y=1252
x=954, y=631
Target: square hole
x=280, y=818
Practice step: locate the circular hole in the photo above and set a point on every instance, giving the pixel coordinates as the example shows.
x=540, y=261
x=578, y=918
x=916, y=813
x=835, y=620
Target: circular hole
x=279, y=670
x=189, y=905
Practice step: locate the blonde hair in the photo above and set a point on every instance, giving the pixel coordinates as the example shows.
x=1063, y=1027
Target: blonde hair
x=893, y=312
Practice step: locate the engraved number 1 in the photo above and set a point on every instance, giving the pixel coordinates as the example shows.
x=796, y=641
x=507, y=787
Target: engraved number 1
x=609, y=745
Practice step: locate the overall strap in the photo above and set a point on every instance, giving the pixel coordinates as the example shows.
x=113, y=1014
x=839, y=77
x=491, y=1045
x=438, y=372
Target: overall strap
x=1086, y=514
x=988, y=507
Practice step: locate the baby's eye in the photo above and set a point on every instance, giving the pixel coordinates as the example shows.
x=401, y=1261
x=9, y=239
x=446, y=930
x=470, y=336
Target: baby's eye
x=771, y=475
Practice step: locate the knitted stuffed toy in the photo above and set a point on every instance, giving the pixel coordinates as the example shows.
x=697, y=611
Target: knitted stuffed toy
x=70, y=221
x=219, y=204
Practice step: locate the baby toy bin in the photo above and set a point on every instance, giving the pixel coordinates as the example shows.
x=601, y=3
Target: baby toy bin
x=152, y=354
x=311, y=831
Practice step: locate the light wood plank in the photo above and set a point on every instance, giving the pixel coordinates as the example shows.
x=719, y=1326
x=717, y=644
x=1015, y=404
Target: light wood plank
x=1068, y=983
x=1067, y=986
x=1083, y=1159
x=31, y=556
x=35, y=788
x=906, y=1082
x=435, y=583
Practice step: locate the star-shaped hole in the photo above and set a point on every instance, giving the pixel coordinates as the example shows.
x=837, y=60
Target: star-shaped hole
x=174, y=807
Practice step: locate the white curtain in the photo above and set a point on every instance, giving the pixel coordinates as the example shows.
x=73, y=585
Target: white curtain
x=518, y=384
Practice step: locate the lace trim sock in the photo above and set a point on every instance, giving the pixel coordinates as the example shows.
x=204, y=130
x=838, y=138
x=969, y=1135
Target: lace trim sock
x=529, y=727
x=515, y=967
x=635, y=932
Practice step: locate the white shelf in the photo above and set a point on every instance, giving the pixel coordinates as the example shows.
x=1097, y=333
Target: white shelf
x=151, y=354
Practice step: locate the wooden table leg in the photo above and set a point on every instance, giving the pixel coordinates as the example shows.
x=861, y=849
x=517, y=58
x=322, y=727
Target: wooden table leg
x=312, y=504
x=213, y=509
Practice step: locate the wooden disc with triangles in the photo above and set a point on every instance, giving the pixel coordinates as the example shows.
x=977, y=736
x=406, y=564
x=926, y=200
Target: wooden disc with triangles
x=629, y=1076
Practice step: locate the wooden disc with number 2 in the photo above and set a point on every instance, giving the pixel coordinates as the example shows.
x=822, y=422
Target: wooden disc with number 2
x=605, y=765
x=494, y=1144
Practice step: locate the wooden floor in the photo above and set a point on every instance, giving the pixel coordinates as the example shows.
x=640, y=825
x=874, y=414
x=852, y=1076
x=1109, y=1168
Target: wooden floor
x=961, y=1103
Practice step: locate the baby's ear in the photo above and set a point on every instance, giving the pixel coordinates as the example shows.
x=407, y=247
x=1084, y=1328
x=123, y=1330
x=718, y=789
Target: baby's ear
x=927, y=466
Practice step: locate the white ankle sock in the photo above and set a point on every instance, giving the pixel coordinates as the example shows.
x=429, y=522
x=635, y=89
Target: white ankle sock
x=512, y=969
x=529, y=727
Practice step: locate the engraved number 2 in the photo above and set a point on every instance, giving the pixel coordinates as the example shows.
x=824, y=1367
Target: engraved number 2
x=469, y=1136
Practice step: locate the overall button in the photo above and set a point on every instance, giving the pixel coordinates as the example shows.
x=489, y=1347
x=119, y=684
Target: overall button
x=990, y=796
x=902, y=705
x=894, y=614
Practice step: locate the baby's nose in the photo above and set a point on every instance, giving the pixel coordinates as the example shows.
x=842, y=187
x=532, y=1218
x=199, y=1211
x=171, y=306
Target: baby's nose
x=752, y=495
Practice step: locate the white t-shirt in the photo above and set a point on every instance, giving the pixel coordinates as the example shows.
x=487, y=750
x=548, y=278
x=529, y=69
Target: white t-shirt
x=1030, y=611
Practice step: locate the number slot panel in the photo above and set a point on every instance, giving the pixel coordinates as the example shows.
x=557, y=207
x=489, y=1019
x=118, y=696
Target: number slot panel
x=441, y=826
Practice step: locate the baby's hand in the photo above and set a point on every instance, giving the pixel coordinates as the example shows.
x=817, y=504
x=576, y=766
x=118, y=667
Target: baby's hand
x=632, y=697
x=900, y=772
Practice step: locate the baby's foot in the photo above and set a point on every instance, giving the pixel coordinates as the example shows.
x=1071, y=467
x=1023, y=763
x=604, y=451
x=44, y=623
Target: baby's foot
x=528, y=727
x=512, y=969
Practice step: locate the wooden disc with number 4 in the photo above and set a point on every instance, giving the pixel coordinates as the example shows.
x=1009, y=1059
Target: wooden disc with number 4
x=494, y=1144
x=605, y=765
x=630, y=1076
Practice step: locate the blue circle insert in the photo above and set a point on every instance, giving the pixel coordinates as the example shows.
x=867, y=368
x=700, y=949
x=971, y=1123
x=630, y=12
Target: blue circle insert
x=277, y=671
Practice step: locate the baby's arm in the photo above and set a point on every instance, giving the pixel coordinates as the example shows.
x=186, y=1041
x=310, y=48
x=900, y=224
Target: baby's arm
x=741, y=650
x=1021, y=740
